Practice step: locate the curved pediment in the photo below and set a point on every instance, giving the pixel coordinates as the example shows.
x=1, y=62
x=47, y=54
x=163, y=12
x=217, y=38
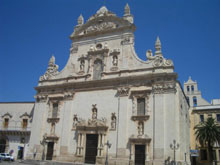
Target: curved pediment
x=102, y=22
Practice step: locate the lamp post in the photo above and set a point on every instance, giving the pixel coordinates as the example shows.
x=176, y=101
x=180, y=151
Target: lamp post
x=174, y=147
x=108, y=146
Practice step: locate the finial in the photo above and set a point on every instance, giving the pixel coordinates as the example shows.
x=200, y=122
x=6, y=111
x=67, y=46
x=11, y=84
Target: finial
x=52, y=60
x=80, y=20
x=158, y=46
x=127, y=10
x=190, y=78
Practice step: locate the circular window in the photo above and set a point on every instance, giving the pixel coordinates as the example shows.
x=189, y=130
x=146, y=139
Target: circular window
x=99, y=46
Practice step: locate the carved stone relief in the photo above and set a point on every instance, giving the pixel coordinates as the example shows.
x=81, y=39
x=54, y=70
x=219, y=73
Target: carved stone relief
x=165, y=87
x=74, y=48
x=123, y=91
x=100, y=27
x=158, y=60
x=127, y=40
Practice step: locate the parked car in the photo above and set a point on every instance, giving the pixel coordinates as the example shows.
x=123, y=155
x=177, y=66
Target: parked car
x=5, y=156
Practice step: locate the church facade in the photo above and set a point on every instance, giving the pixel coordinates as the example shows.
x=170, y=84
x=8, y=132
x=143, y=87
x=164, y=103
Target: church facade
x=106, y=103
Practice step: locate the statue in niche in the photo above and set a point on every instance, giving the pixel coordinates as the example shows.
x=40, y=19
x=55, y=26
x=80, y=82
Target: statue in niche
x=115, y=61
x=75, y=120
x=113, y=122
x=52, y=130
x=97, y=69
x=94, y=112
x=82, y=65
x=140, y=128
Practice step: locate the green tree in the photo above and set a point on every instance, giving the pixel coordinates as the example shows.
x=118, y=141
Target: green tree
x=208, y=134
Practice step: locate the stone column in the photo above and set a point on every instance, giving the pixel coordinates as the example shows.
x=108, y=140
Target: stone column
x=147, y=152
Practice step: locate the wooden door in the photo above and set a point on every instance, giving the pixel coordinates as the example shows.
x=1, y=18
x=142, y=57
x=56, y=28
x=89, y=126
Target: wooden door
x=91, y=148
x=139, y=154
x=50, y=146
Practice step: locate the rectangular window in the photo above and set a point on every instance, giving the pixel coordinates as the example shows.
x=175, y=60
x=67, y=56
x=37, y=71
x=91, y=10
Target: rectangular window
x=141, y=106
x=6, y=122
x=218, y=117
x=201, y=118
x=24, y=123
x=55, y=110
x=203, y=154
x=194, y=101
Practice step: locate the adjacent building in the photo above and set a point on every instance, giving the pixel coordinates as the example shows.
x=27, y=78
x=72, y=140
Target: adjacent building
x=15, y=127
x=108, y=102
x=200, y=110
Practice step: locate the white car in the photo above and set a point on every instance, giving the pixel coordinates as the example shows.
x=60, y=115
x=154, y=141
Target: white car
x=5, y=156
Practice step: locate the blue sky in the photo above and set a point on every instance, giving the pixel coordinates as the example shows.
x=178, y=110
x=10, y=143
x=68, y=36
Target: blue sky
x=32, y=30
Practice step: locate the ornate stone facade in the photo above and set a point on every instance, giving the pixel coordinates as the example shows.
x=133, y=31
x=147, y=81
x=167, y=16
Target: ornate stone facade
x=105, y=93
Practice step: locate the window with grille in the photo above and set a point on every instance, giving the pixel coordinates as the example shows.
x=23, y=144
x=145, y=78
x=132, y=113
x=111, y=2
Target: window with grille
x=141, y=106
x=55, y=110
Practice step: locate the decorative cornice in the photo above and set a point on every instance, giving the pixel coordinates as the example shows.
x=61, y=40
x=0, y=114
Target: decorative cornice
x=108, y=83
x=139, y=139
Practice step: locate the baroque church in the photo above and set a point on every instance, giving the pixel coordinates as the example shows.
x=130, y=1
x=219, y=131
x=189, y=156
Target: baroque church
x=107, y=104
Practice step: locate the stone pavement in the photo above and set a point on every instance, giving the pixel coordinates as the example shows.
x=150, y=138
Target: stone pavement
x=36, y=162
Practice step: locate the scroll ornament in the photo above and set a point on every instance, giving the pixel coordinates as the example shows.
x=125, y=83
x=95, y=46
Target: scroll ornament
x=158, y=60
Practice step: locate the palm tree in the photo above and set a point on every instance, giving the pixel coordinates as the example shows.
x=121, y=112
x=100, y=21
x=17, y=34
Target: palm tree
x=208, y=134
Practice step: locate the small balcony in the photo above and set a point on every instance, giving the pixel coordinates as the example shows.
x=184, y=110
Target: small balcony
x=140, y=117
x=15, y=130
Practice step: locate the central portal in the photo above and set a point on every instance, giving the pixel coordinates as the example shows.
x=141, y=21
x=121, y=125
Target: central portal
x=91, y=148
x=139, y=154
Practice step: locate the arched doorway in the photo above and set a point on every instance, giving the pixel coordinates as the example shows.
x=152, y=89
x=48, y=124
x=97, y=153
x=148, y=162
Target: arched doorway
x=97, y=69
x=2, y=145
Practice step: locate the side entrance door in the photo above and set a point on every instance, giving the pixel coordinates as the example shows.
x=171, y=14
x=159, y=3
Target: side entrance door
x=50, y=146
x=91, y=148
x=139, y=154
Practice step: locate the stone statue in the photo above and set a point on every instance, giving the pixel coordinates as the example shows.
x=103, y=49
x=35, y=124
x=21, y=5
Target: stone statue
x=113, y=122
x=140, y=128
x=82, y=65
x=94, y=112
x=75, y=120
x=115, y=61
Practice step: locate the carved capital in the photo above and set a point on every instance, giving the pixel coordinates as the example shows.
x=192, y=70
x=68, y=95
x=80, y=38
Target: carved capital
x=164, y=88
x=123, y=91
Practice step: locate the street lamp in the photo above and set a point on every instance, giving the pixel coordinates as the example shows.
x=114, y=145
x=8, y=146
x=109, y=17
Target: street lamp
x=108, y=146
x=174, y=147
